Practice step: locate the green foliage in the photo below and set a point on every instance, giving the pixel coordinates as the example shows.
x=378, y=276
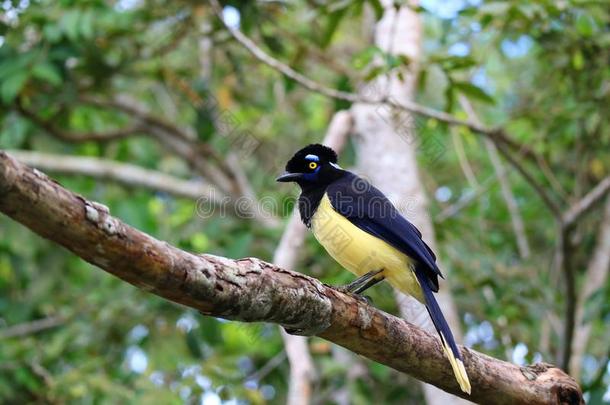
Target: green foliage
x=538, y=69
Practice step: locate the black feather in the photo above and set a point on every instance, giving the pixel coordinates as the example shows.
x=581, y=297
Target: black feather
x=370, y=210
x=439, y=321
x=297, y=163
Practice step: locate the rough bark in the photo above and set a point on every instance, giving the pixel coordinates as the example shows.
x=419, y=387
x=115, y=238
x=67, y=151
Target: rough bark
x=251, y=290
x=595, y=278
x=386, y=148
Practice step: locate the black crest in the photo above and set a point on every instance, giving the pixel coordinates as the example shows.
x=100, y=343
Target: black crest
x=326, y=155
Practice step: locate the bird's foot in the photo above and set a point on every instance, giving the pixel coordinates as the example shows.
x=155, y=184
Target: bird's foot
x=361, y=284
x=345, y=290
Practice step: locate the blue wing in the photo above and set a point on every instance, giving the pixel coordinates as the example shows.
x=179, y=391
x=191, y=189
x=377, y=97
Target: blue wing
x=370, y=210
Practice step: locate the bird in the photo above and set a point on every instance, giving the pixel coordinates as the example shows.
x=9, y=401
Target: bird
x=366, y=234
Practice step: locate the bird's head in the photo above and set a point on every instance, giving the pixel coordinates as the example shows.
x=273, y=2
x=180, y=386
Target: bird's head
x=314, y=165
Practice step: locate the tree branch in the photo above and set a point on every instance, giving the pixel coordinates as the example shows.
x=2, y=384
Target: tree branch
x=195, y=153
x=124, y=173
x=169, y=135
x=587, y=202
x=507, y=193
x=180, y=141
x=497, y=135
x=563, y=262
x=314, y=86
x=553, y=207
x=78, y=137
x=252, y=290
x=596, y=276
x=28, y=328
x=453, y=209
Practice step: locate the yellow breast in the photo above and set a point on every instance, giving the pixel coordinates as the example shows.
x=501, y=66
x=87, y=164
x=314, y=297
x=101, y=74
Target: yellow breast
x=361, y=252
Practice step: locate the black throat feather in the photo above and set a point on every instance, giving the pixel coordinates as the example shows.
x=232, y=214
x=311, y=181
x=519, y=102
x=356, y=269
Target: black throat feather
x=309, y=200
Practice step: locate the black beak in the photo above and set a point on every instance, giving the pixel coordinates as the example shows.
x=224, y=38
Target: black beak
x=286, y=177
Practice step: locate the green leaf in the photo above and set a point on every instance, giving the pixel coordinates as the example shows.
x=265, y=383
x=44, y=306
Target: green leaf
x=374, y=72
x=394, y=61
x=70, y=24
x=15, y=64
x=194, y=345
x=453, y=63
x=52, y=33
x=273, y=42
x=473, y=91
x=578, y=60
x=15, y=132
x=365, y=57
x=585, y=25
x=12, y=86
x=200, y=242
x=422, y=79
x=334, y=19
x=47, y=72
x=86, y=24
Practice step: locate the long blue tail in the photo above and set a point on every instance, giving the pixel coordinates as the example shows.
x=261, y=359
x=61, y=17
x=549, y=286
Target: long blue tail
x=449, y=346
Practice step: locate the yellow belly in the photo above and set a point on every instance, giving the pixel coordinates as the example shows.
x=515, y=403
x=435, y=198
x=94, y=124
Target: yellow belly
x=360, y=252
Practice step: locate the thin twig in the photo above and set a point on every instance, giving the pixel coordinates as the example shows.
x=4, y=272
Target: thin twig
x=78, y=137
x=268, y=367
x=186, y=146
x=498, y=136
x=29, y=328
x=463, y=160
x=507, y=193
x=552, y=179
x=540, y=190
x=314, y=86
x=583, y=205
x=466, y=200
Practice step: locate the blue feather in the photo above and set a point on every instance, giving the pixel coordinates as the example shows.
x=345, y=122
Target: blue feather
x=438, y=319
x=370, y=210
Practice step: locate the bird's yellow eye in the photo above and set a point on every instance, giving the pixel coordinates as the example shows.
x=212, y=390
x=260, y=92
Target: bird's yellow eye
x=313, y=165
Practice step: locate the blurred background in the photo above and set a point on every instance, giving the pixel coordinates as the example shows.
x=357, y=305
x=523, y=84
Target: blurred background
x=175, y=116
